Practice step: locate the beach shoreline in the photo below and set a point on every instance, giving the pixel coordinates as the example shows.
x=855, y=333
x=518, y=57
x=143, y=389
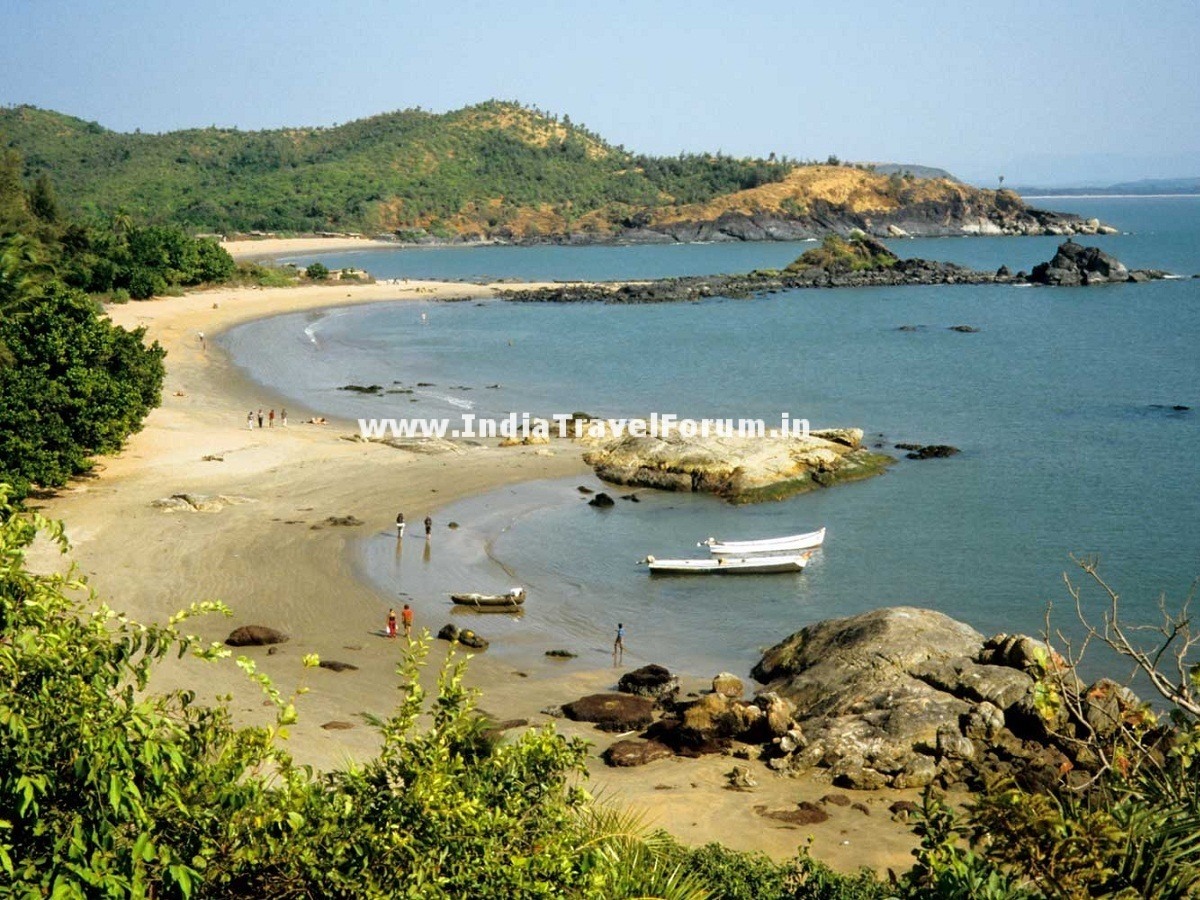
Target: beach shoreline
x=273, y=556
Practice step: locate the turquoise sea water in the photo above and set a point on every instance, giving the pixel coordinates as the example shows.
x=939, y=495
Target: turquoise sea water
x=1061, y=405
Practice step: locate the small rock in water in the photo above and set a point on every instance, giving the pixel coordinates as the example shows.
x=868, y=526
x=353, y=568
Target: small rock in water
x=933, y=451
x=964, y=329
x=583, y=489
x=602, y=501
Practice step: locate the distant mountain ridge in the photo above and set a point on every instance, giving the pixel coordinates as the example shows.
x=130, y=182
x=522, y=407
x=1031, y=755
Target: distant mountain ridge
x=495, y=171
x=1141, y=186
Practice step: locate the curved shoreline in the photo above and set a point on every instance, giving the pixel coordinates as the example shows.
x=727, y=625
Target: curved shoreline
x=276, y=562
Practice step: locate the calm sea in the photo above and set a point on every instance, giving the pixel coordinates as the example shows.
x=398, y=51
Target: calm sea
x=1061, y=404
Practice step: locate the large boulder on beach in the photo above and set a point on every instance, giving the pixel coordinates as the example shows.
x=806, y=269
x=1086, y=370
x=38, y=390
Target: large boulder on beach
x=873, y=692
x=254, y=636
x=742, y=468
x=624, y=754
x=653, y=681
x=903, y=697
x=612, y=712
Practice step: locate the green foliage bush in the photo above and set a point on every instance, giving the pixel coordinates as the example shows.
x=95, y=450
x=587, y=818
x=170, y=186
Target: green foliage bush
x=317, y=271
x=839, y=255
x=75, y=385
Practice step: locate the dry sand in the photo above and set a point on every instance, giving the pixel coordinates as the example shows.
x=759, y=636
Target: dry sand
x=274, y=562
x=263, y=248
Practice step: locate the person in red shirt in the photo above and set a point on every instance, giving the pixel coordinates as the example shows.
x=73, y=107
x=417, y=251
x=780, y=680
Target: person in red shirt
x=407, y=617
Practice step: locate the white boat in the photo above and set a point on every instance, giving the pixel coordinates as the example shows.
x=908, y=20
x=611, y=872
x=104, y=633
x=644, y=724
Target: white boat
x=790, y=544
x=729, y=565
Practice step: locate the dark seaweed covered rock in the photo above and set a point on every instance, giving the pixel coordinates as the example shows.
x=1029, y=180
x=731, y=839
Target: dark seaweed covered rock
x=611, y=712
x=254, y=636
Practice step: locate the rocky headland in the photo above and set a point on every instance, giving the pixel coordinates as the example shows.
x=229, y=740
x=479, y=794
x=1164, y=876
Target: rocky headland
x=858, y=261
x=740, y=468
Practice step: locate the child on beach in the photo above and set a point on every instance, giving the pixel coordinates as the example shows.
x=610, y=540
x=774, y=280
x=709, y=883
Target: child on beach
x=250, y=420
x=271, y=419
x=391, y=623
x=407, y=618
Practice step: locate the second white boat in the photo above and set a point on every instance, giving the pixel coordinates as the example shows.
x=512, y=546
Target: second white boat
x=780, y=545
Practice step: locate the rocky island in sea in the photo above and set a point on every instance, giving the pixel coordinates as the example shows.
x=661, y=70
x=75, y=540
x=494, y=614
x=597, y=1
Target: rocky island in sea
x=855, y=261
x=740, y=468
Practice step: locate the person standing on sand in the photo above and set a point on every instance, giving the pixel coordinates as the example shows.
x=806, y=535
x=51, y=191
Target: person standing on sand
x=250, y=420
x=271, y=419
x=391, y=623
x=406, y=616
x=619, y=645
x=260, y=418
x=200, y=335
x=428, y=527
x=283, y=417
x=400, y=526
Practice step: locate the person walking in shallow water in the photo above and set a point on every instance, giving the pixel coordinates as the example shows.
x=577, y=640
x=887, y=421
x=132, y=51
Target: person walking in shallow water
x=428, y=527
x=619, y=645
x=400, y=526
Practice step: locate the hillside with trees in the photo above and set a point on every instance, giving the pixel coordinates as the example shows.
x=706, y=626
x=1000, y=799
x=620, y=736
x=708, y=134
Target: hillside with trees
x=494, y=171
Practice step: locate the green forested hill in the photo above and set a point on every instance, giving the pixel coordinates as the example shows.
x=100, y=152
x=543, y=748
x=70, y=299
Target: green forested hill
x=478, y=168
x=491, y=171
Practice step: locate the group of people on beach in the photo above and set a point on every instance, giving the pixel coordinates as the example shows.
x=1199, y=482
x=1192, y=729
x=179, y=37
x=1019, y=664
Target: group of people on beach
x=406, y=619
x=407, y=614
x=400, y=526
x=269, y=422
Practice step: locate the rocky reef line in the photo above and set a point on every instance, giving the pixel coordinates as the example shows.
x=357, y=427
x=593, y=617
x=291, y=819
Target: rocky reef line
x=870, y=264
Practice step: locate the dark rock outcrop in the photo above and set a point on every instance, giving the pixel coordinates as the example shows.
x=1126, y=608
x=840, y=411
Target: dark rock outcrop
x=636, y=753
x=1074, y=265
x=652, y=681
x=602, y=501
x=929, y=451
x=611, y=712
x=465, y=636
x=254, y=636
x=334, y=665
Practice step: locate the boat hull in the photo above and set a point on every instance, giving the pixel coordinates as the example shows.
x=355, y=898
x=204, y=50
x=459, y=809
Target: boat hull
x=790, y=544
x=489, y=602
x=762, y=565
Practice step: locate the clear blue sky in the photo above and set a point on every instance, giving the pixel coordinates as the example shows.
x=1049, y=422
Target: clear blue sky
x=1039, y=91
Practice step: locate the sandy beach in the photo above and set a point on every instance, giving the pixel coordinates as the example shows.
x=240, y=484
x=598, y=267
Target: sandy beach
x=274, y=560
x=264, y=248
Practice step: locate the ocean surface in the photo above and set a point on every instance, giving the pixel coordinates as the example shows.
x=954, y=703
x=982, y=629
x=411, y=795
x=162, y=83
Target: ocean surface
x=1062, y=405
